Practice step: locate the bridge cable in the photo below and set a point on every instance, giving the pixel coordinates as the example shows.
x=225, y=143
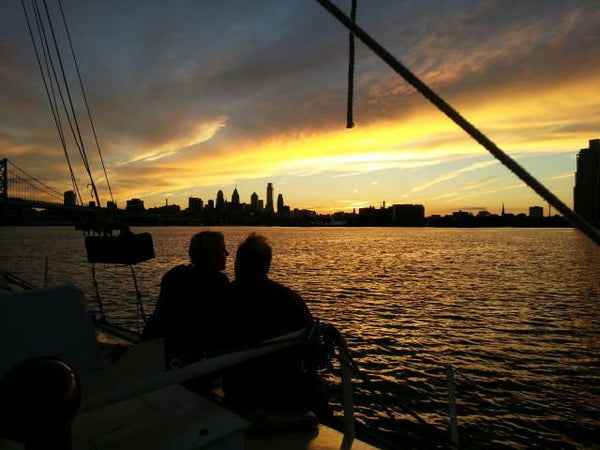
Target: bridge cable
x=40, y=185
x=85, y=100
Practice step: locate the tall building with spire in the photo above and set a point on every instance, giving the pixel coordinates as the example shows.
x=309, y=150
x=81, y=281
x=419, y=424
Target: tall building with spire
x=270, y=207
x=586, y=193
x=235, y=198
x=280, y=204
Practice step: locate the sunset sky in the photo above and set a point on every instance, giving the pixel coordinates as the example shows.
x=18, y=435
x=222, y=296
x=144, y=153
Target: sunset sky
x=190, y=97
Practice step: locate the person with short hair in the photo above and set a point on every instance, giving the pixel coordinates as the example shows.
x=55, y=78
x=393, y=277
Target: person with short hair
x=264, y=309
x=190, y=302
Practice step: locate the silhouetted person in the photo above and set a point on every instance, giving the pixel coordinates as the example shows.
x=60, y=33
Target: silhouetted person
x=190, y=301
x=263, y=309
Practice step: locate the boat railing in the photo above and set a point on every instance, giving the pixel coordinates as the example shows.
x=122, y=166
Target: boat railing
x=178, y=375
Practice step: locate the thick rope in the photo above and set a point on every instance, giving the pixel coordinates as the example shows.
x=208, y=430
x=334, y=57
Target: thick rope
x=350, y=107
x=575, y=219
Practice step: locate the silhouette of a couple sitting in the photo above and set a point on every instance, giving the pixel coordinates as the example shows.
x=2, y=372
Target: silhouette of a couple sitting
x=199, y=313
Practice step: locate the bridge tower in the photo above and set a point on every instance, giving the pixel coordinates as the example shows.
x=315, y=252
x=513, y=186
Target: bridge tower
x=4, y=178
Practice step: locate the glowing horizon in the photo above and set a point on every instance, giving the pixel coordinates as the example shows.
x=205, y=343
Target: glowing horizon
x=182, y=123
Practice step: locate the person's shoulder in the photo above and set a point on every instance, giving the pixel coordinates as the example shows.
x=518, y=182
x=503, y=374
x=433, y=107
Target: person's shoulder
x=282, y=290
x=178, y=272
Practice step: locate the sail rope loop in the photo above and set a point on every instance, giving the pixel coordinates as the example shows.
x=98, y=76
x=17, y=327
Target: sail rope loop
x=333, y=339
x=350, y=107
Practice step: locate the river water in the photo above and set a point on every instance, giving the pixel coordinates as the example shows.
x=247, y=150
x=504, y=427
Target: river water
x=514, y=311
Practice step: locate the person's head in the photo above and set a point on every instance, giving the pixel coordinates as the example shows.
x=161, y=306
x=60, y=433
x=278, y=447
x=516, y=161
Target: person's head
x=208, y=251
x=253, y=258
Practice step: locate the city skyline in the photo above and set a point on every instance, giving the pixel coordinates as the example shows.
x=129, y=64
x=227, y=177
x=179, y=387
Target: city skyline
x=220, y=200
x=181, y=118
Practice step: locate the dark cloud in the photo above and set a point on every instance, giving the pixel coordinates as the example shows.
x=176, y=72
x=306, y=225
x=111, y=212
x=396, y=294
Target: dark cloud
x=154, y=70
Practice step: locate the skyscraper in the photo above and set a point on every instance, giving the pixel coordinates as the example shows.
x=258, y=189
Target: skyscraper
x=235, y=198
x=69, y=198
x=195, y=204
x=220, y=200
x=254, y=202
x=586, y=194
x=280, y=204
x=269, y=207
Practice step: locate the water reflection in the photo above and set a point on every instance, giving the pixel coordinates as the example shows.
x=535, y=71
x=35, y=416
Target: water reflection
x=515, y=311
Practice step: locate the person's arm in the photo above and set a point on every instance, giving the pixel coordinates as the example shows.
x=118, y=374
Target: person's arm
x=155, y=327
x=301, y=311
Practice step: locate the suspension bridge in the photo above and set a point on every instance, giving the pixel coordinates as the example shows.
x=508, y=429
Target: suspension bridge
x=19, y=188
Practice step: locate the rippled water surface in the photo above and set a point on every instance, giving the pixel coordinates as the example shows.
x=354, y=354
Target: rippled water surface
x=514, y=311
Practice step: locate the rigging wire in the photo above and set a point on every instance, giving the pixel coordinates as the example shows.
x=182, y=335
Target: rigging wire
x=52, y=107
x=68, y=91
x=53, y=76
x=85, y=99
x=575, y=219
x=54, y=80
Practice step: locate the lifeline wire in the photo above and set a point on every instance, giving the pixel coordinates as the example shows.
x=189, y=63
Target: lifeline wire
x=575, y=219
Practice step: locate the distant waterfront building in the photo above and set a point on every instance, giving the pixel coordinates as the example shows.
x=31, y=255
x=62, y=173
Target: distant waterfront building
x=195, y=204
x=220, y=200
x=460, y=214
x=69, y=198
x=254, y=202
x=269, y=207
x=235, y=198
x=372, y=216
x=280, y=204
x=111, y=205
x=210, y=204
x=166, y=209
x=586, y=194
x=408, y=215
x=135, y=204
x=261, y=206
x=536, y=212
